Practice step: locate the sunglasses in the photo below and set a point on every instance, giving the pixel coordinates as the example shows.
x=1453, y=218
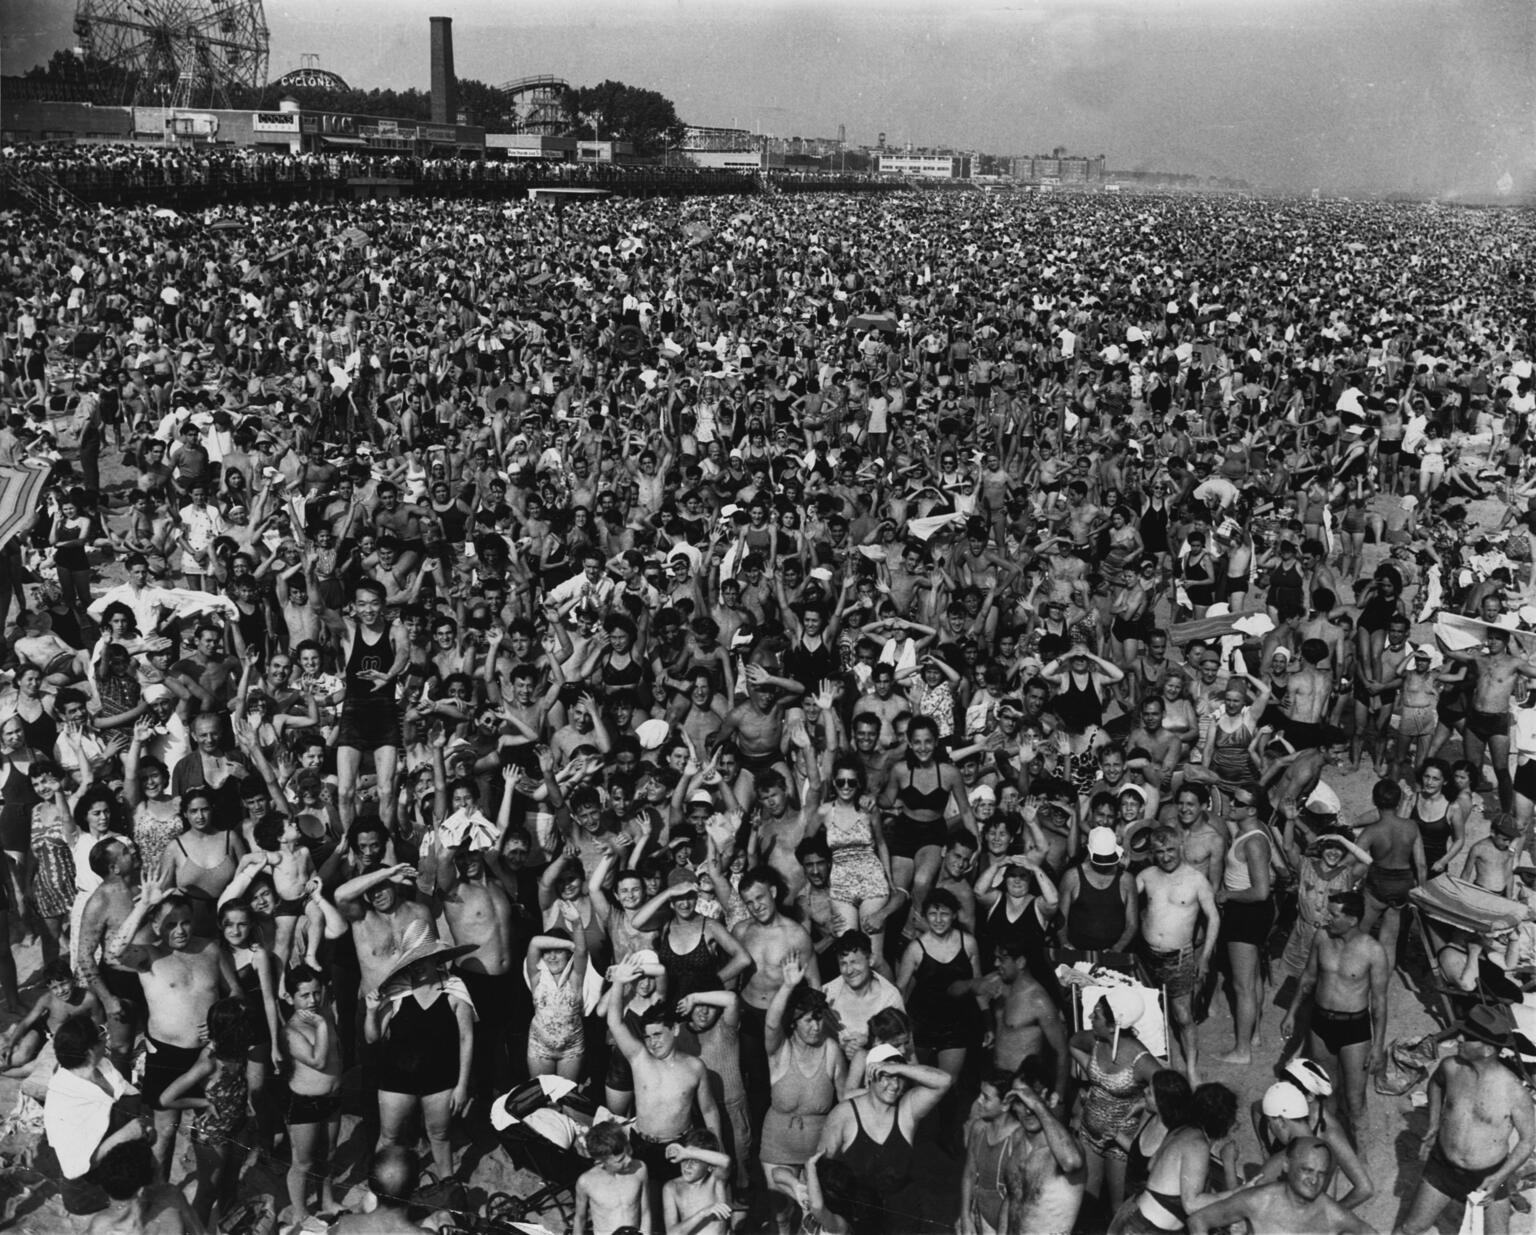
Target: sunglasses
x=846, y=782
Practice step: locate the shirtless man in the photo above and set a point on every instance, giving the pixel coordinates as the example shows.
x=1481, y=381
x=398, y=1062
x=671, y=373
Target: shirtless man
x=1488, y=720
x=1303, y=770
x=813, y=902
x=120, y=993
x=1162, y=748
x=1204, y=844
x=392, y=1176
x=769, y=937
x=866, y=746
x=780, y=829
x=757, y=727
x=1318, y=625
x=669, y=1084
x=480, y=912
x=1397, y=864
x=883, y=703
x=1025, y=1022
x=1293, y=1204
x=909, y=577
x=1377, y=687
x=1309, y=694
x=380, y=916
x=1349, y=970
x=1045, y=1177
x=1475, y=1102
x=519, y=701
x=1177, y=897
x=182, y=977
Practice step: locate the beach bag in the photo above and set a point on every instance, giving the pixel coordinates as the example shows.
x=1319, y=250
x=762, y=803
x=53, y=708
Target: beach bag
x=1408, y=1065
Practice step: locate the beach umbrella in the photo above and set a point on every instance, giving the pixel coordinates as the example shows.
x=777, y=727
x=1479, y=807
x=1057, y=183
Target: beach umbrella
x=20, y=492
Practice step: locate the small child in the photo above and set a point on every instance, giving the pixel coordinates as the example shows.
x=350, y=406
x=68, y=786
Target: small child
x=1491, y=863
x=614, y=1189
x=314, y=1090
x=222, y=1106
x=281, y=853
x=23, y=1042
x=53, y=863
x=697, y=1202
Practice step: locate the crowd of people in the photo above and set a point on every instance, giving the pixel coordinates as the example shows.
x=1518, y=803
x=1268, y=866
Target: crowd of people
x=107, y=168
x=748, y=659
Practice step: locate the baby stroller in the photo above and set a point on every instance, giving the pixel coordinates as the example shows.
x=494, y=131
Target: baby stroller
x=542, y=1126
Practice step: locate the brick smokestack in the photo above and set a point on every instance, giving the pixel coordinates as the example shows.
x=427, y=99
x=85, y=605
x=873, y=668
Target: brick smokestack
x=445, y=86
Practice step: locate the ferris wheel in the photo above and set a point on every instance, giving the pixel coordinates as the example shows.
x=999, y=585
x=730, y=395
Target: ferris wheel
x=185, y=52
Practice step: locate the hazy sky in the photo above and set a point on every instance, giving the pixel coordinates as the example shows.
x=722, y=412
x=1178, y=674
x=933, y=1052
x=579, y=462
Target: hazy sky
x=1428, y=96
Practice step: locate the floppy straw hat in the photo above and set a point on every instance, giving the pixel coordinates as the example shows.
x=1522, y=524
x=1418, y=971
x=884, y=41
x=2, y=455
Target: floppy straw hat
x=421, y=943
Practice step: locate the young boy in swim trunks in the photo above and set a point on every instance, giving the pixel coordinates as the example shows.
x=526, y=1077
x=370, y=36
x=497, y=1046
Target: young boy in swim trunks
x=1491, y=862
x=281, y=854
x=314, y=1090
x=613, y=1193
x=23, y=1042
x=697, y=1203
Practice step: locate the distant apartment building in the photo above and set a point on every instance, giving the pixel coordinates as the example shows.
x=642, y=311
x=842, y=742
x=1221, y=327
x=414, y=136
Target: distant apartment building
x=1058, y=167
x=925, y=166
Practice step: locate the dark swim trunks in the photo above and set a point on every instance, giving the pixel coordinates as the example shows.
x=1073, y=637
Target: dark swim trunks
x=1337, y=1030
x=304, y=1108
x=1390, y=884
x=1488, y=724
x=1458, y=1182
x=162, y=1065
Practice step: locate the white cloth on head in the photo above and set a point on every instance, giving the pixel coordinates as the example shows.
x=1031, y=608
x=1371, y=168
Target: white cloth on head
x=480, y=831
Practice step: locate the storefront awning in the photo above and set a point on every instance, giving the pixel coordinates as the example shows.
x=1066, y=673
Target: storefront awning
x=343, y=141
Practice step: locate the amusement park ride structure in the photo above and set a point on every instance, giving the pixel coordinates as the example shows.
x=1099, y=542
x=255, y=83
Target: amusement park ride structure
x=538, y=104
x=185, y=52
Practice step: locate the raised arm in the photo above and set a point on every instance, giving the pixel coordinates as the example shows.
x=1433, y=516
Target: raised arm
x=122, y=952
x=353, y=891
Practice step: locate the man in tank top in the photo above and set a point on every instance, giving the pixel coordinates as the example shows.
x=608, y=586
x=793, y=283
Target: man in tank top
x=375, y=652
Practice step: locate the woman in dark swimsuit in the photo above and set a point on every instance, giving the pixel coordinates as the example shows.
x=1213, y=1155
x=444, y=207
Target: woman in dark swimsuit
x=872, y=1133
x=690, y=947
x=915, y=834
x=16, y=802
x=936, y=965
x=1198, y=571
x=1019, y=900
x=1442, y=828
